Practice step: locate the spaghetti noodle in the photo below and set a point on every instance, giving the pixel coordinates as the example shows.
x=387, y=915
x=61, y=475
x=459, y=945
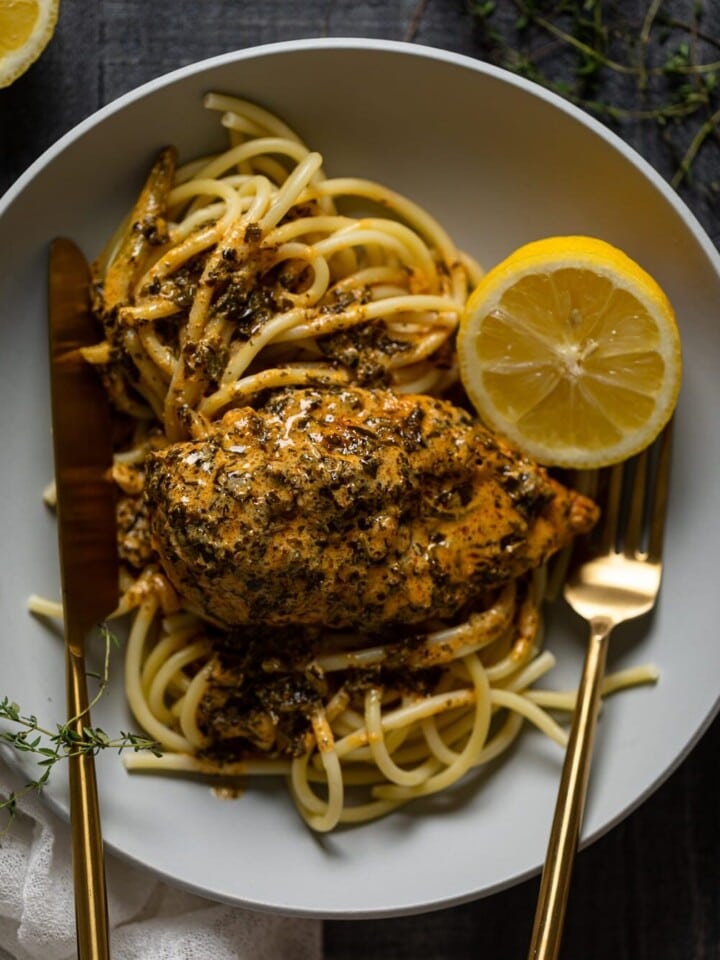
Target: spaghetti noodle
x=245, y=273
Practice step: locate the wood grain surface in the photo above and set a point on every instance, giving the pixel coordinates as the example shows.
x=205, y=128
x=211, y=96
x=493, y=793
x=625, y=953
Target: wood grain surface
x=650, y=889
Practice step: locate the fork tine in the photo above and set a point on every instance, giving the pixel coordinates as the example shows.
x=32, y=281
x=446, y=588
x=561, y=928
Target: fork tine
x=636, y=507
x=660, y=497
x=611, y=510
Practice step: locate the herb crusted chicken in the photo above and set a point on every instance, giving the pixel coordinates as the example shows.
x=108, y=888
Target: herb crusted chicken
x=347, y=507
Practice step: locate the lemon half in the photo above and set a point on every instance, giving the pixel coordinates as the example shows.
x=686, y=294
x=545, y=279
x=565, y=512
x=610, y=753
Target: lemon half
x=26, y=27
x=570, y=350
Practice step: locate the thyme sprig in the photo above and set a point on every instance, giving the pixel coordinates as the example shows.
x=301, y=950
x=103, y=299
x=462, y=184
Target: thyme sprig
x=69, y=739
x=655, y=65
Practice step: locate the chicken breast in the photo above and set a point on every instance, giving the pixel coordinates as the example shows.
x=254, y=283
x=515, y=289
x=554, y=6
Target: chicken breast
x=350, y=508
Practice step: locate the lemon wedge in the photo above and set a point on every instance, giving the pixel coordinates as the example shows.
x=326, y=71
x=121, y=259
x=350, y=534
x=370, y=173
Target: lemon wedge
x=26, y=27
x=571, y=351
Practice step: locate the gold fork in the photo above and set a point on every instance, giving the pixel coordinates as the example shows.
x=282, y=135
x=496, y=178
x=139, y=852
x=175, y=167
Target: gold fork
x=616, y=579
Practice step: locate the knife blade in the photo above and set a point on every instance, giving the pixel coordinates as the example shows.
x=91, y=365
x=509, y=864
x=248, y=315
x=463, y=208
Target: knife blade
x=82, y=444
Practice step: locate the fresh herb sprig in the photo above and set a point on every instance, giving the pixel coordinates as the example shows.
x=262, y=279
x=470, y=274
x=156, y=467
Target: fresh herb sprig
x=648, y=68
x=49, y=747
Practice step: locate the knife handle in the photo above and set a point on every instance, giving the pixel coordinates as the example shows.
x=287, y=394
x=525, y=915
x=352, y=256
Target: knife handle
x=91, y=918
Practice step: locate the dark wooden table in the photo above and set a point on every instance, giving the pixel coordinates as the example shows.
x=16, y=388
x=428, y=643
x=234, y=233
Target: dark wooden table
x=651, y=887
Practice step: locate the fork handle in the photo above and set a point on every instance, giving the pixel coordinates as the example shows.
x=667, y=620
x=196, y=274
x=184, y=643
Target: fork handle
x=570, y=804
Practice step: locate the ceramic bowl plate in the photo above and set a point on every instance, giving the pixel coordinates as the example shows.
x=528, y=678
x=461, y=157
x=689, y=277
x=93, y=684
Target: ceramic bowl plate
x=499, y=162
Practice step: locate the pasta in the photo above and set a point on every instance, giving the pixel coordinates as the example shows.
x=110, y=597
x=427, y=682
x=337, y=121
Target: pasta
x=247, y=272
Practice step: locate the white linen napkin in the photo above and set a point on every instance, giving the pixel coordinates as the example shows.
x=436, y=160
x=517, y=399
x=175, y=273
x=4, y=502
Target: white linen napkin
x=149, y=919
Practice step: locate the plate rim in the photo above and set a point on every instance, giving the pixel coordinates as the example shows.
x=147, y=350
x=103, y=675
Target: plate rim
x=421, y=51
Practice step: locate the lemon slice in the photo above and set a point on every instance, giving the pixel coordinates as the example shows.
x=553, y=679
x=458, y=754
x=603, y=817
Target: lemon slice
x=26, y=27
x=570, y=350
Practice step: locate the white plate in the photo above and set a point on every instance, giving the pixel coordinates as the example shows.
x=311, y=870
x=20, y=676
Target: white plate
x=500, y=162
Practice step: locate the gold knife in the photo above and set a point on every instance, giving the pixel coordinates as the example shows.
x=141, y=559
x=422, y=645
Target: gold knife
x=82, y=442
